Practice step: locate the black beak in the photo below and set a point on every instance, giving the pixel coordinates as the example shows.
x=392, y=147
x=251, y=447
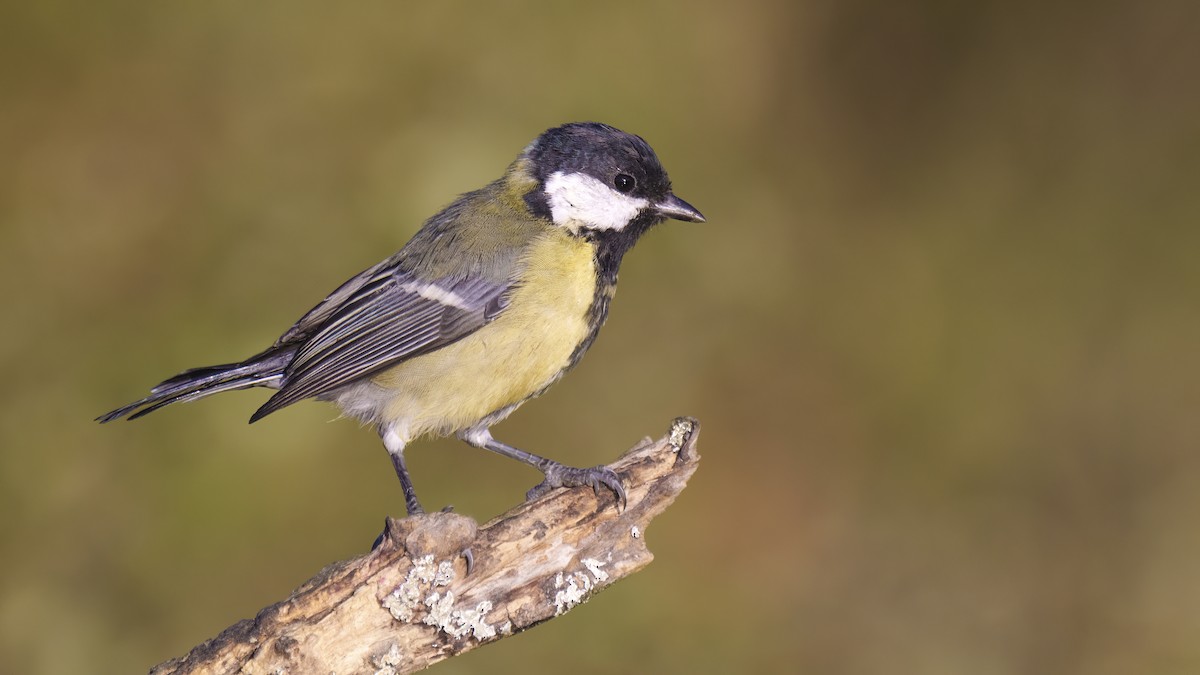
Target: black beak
x=674, y=207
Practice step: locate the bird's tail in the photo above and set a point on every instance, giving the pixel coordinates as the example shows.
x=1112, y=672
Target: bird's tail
x=264, y=370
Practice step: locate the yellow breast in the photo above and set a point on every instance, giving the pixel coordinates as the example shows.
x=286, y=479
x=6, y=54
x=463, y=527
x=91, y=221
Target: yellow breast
x=521, y=352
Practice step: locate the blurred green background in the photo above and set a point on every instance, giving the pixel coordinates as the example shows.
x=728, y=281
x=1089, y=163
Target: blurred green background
x=941, y=327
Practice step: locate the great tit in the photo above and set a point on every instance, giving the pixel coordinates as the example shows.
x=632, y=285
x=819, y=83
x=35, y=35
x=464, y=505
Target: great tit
x=490, y=303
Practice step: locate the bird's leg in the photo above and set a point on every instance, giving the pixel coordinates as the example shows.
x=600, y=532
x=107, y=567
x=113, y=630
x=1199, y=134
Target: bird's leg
x=395, y=443
x=433, y=523
x=557, y=475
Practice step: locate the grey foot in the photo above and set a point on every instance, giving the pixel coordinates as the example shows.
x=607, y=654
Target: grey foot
x=560, y=475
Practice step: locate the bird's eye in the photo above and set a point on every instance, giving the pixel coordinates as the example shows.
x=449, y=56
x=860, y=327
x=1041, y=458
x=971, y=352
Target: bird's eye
x=624, y=182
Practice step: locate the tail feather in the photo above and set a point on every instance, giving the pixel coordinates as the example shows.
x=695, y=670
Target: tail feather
x=263, y=370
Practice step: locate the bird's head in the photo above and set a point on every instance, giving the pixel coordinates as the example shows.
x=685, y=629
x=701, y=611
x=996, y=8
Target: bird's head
x=593, y=179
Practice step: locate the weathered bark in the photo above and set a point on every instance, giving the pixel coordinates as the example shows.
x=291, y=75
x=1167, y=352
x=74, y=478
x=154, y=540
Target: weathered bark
x=410, y=602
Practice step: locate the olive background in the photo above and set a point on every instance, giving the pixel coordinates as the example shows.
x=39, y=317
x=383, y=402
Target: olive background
x=941, y=327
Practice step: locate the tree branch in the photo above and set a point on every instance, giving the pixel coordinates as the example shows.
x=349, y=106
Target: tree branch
x=410, y=603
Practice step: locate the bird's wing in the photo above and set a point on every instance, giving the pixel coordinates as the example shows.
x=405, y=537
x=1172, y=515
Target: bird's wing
x=380, y=318
x=316, y=317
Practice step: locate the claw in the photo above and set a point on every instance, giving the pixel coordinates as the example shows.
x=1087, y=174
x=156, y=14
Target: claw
x=470, y=558
x=558, y=475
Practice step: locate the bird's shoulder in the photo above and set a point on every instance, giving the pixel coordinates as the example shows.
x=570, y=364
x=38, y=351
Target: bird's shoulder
x=482, y=236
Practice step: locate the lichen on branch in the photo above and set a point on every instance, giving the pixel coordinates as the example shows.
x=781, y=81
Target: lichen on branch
x=410, y=602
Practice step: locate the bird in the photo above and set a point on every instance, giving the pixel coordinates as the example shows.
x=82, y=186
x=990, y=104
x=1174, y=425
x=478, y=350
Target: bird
x=490, y=303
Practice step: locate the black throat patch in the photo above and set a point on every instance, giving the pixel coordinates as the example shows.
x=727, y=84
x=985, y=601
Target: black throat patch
x=610, y=248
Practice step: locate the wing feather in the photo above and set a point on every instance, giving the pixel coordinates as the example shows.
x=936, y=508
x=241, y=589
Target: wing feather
x=382, y=317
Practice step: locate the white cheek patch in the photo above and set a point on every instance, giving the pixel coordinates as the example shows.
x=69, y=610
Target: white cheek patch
x=577, y=199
